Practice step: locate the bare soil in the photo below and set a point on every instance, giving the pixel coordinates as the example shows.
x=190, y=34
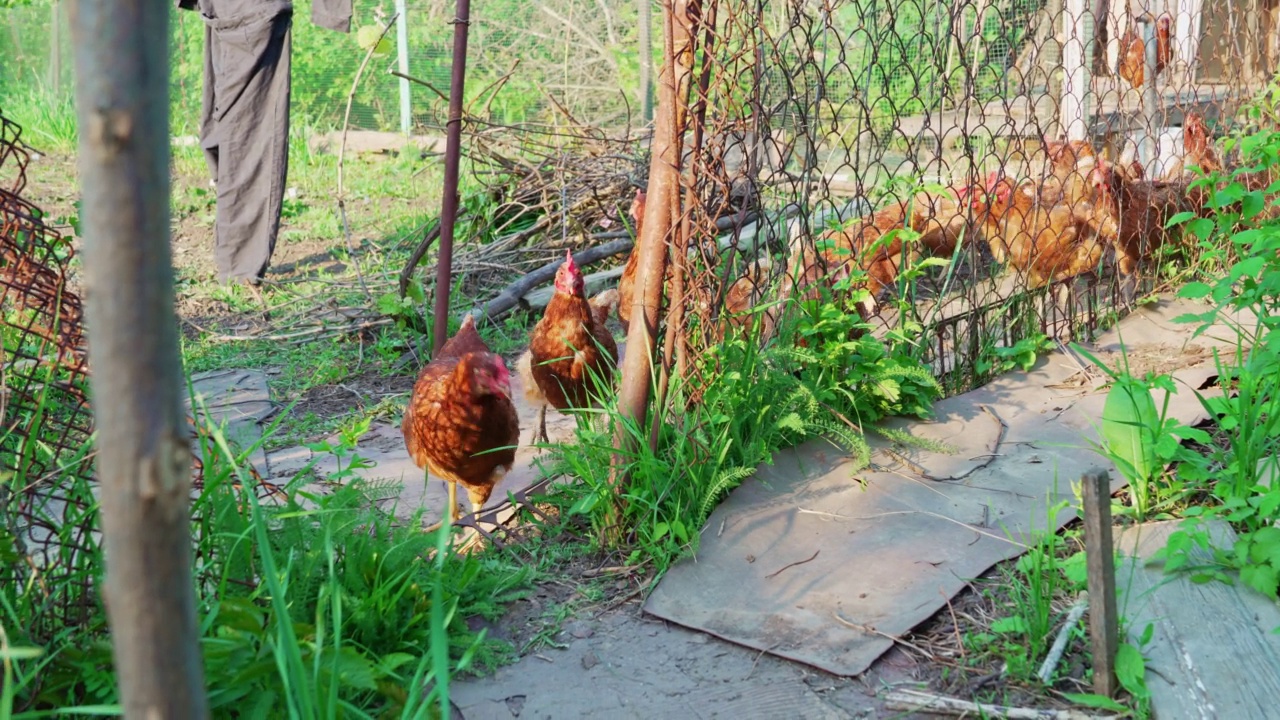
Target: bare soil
x=357, y=392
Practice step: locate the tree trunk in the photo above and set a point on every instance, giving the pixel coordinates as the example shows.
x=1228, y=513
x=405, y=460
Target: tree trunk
x=144, y=454
x=679, y=20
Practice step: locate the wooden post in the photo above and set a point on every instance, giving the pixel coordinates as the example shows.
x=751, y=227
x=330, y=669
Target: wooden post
x=680, y=19
x=1104, y=628
x=1101, y=36
x=1077, y=84
x=143, y=446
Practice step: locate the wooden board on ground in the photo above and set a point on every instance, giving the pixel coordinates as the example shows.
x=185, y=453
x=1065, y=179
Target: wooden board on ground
x=820, y=562
x=1213, y=652
x=239, y=402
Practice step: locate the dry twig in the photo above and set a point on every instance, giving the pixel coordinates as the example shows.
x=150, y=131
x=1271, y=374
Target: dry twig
x=916, y=701
x=788, y=566
x=342, y=151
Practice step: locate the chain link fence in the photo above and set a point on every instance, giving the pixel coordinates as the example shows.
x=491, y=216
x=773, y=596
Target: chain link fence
x=45, y=423
x=49, y=537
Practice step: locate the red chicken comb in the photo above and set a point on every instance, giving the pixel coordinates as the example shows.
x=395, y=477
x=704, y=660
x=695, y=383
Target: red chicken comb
x=569, y=264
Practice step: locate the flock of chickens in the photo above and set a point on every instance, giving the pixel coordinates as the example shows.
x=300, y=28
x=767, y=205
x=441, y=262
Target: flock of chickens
x=462, y=426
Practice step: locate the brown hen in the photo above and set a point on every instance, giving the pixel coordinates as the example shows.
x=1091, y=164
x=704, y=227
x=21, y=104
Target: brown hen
x=460, y=423
x=1197, y=151
x=627, y=283
x=1133, y=59
x=1047, y=242
x=572, y=356
x=1069, y=165
x=745, y=294
x=940, y=221
x=1141, y=208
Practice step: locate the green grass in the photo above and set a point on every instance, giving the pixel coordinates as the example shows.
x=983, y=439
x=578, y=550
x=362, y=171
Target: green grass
x=47, y=118
x=753, y=403
x=310, y=605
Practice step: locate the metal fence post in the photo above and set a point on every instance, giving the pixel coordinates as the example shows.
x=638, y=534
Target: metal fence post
x=402, y=51
x=452, y=157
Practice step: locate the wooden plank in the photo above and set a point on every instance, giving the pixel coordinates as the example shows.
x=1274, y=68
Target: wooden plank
x=1104, y=625
x=1023, y=116
x=1213, y=653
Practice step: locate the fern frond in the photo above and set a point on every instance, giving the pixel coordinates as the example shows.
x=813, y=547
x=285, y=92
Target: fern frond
x=845, y=437
x=902, y=437
x=724, y=481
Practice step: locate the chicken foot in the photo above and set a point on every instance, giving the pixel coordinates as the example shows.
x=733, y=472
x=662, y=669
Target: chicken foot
x=540, y=433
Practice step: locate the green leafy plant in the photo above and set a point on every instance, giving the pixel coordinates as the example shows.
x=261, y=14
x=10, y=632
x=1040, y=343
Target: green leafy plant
x=1036, y=580
x=824, y=376
x=1021, y=355
x=1141, y=439
x=1232, y=468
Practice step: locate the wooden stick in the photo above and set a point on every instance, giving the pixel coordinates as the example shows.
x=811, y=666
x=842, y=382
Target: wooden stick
x=777, y=572
x=419, y=252
x=916, y=701
x=1060, y=642
x=1100, y=557
x=681, y=19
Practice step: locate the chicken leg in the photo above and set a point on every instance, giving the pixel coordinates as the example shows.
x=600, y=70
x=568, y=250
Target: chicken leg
x=454, y=513
x=540, y=434
x=1129, y=289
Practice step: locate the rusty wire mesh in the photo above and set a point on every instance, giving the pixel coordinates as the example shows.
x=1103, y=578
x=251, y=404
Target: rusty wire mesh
x=815, y=128
x=44, y=439
x=49, y=542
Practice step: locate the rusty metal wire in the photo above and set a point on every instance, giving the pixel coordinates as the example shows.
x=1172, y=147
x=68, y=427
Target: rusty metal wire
x=48, y=508
x=809, y=119
x=44, y=439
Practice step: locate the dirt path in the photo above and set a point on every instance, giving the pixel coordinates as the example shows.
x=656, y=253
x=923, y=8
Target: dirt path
x=623, y=664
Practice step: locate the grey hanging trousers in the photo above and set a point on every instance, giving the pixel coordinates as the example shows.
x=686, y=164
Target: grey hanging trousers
x=244, y=122
x=244, y=127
